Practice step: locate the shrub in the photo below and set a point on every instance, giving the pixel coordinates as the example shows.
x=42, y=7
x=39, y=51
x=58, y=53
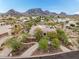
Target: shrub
x=55, y=43
x=62, y=36
x=52, y=34
x=68, y=27
x=38, y=34
x=13, y=43
x=50, y=23
x=43, y=43
x=28, y=25
x=17, y=28
x=77, y=23
x=72, y=25
x=22, y=37
x=38, y=19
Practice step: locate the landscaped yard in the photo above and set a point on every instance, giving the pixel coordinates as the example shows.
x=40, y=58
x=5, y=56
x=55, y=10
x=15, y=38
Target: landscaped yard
x=32, y=38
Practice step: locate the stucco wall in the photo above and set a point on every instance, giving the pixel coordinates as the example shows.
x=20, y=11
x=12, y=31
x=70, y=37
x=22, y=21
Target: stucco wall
x=68, y=55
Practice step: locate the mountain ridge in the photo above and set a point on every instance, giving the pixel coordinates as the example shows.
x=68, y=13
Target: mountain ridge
x=32, y=12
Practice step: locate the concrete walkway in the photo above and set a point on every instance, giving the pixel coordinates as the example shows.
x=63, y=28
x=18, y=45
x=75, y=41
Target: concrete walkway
x=75, y=43
x=3, y=39
x=5, y=52
x=64, y=49
x=74, y=46
x=30, y=51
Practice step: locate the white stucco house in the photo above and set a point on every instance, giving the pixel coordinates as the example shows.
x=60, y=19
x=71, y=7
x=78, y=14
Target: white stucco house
x=44, y=28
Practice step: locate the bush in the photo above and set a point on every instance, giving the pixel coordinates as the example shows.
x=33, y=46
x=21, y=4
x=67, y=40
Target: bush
x=28, y=25
x=22, y=37
x=50, y=23
x=52, y=34
x=16, y=29
x=13, y=43
x=55, y=43
x=72, y=25
x=38, y=34
x=77, y=23
x=62, y=36
x=43, y=43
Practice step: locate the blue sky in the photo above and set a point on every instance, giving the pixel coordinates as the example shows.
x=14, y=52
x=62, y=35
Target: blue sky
x=69, y=6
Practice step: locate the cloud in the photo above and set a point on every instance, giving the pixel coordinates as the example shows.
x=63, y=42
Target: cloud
x=76, y=12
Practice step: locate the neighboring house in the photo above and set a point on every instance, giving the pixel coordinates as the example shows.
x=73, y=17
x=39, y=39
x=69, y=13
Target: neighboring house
x=44, y=28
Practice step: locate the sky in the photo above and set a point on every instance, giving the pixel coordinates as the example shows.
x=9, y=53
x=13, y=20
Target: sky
x=68, y=6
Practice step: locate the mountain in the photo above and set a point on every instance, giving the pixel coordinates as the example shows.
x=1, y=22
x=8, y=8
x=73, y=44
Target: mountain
x=35, y=11
x=63, y=14
x=12, y=12
x=38, y=12
x=47, y=12
x=50, y=13
x=32, y=12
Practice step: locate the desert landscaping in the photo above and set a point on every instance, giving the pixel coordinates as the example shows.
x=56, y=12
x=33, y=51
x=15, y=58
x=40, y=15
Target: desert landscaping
x=30, y=36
